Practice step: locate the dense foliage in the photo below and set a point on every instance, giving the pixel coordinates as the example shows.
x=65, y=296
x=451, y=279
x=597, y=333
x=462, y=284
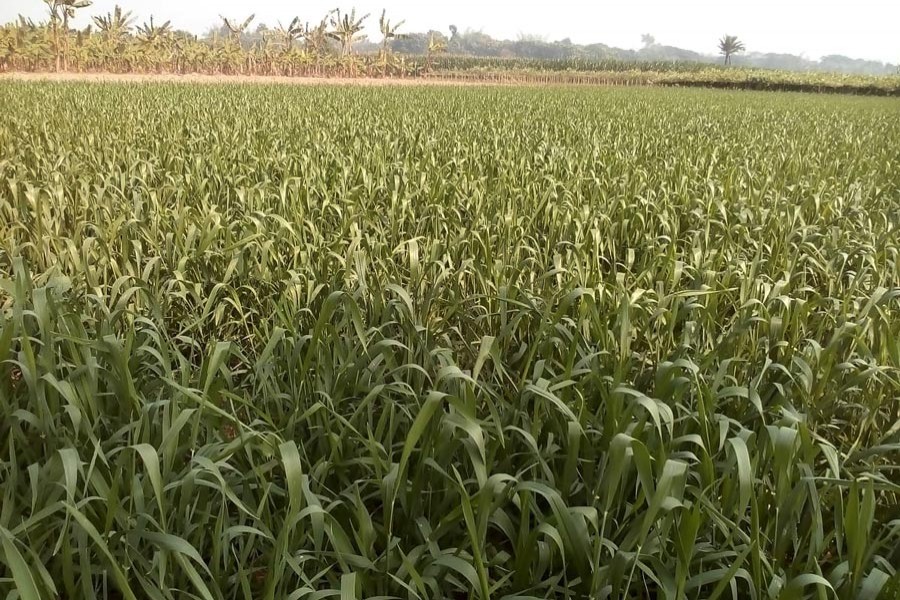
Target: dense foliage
x=279, y=342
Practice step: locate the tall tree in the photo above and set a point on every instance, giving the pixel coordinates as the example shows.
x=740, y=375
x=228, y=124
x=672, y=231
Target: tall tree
x=346, y=27
x=455, y=42
x=648, y=40
x=729, y=46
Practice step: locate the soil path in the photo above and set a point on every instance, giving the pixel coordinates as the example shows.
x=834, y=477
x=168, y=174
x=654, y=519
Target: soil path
x=198, y=78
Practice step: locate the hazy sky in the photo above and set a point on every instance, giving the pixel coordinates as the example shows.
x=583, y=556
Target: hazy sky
x=857, y=28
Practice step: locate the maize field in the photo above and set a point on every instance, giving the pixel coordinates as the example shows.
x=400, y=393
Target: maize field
x=302, y=343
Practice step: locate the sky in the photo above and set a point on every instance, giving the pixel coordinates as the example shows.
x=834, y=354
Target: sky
x=812, y=28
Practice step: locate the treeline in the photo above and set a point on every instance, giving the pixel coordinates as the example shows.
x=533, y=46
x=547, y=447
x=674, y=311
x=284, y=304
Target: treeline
x=336, y=45
x=480, y=44
x=116, y=43
x=477, y=44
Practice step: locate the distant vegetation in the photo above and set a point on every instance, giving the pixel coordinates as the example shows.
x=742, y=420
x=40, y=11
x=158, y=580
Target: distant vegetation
x=336, y=45
x=477, y=43
x=730, y=46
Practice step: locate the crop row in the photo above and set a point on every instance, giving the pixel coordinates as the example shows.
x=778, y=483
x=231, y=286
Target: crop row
x=278, y=342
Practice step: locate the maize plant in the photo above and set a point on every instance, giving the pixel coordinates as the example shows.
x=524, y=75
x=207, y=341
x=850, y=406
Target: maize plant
x=284, y=342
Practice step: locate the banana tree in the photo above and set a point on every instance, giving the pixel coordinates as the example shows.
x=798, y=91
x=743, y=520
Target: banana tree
x=7, y=46
x=34, y=45
x=87, y=49
x=346, y=27
x=60, y=13
x=261, y=56
x=115, y=25
x=155, y=40
x=114, y=29
x=230, y=59
x=237, y=29
x=317, y=43
x=295, y=31
x=435, y=46
x=234, y=54
x=388, y=34
x=192, y=55
x=155, y=35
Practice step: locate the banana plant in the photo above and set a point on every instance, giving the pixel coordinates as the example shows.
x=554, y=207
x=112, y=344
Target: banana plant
x=154, y=35
x=7, y=46
x=192, y=55
x=287, y=35
x=389, y=32
x=435, y=46
x=60, y=13
x=32, y=46
x=115, y=25
x=237, y=29
x=114, y=28
x=234, y=53
x=317, y=43
x=154, y=40
x=347, y=27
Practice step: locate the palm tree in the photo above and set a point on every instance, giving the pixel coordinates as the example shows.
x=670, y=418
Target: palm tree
x=388, y=33
x=729, y=46
x=346, y=28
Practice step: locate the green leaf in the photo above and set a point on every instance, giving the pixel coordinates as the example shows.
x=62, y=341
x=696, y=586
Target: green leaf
x=21, y=573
